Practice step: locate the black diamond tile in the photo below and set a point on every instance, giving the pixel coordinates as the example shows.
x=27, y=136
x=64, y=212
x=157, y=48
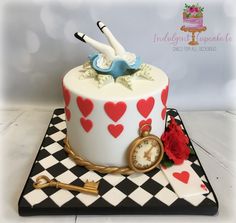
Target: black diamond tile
x=154, y=202
x=170, y=188
x=151, y=186
x=104, y=186
x=192, y=157
x=57, y=169
x=47, y=203
x=47, y=141
x=37, y=169
x=73, y=203
x=197, y=169
x=64, y=131
x=61, y=143
x=151, y=173
x=51, y=130
x=78, y=171
x=59, y=111
x=77, y=182
x=100, y=203
x=126, y=186
x=43, y=154
x=29, y=186
x=60, y=155
x=128, y=203
x=56, y=120
x=50, y=190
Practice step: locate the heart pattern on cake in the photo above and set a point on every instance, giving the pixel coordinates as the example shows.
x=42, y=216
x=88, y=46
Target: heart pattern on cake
x=66, y=94
x=84, y=105
x=115, y=130
x=183, y=176
x=145, y=106
x=68, y=114
x=115, y=110
x=87, y=124
x=163, y=113
x=164, y=95
x=145, y=122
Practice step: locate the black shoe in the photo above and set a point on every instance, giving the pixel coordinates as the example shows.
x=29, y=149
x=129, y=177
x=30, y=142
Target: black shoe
x=100, y=25
x=81, y=38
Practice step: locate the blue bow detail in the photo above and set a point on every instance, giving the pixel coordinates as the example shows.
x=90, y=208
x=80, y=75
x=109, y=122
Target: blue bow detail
x=118, y=66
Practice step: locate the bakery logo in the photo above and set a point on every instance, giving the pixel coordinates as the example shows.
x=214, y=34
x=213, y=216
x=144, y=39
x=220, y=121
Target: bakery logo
x=192, y=35
x=193, y=21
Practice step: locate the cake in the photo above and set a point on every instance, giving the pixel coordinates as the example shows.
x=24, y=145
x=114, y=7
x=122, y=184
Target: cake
x=193, y=16
x=108, y=99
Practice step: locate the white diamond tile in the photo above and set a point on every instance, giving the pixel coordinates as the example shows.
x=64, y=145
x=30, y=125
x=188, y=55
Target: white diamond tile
x=204, y=178
x=87, y=199
x=160, y=178
x=66, y=177
x=62, y=116
x=45, y=173
x=60, y=125
x=61, y=197
x=36, y=196
x=177, y=117
x=114, y=179
x=166, y=196
x=168, y=118
x=57, y=136
x=53, y=148
x=48, y=162
x=68, y=163
x=140, y=196
x=138, y=178
x=114, y=196
x=211, y=197
x=91, y=176
x=197, y=162
x=195, y=200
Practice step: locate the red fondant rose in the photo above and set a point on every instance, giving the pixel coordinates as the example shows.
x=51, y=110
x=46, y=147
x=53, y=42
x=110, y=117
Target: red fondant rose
x=175, y=143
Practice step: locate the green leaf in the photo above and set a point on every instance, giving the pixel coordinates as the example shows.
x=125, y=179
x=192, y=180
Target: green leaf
x=192, y=152
x=167, y=163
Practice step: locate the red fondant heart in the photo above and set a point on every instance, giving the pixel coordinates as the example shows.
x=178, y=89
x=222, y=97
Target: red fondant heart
x=183, y=176
x=164, y=95
x=115, y=130
x=68, y=114
x=115, y=110
x=87, y=124
x=145, y=106
x=163, y=113
x=85, y=106
x=66, y=94
x=145, y=122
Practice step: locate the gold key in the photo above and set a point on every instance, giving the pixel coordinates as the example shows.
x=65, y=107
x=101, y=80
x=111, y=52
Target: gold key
x=89, y=187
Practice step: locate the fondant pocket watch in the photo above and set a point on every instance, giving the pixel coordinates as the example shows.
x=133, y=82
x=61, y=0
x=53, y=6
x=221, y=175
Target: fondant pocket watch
x=145, y=152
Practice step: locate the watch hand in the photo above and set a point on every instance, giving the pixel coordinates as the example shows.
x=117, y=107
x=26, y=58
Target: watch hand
x=147, y=154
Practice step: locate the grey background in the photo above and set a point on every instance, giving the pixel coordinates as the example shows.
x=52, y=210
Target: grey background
x=38, y=48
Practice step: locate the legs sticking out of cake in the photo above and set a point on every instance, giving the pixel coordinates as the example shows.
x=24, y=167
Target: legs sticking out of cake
x=116, y=49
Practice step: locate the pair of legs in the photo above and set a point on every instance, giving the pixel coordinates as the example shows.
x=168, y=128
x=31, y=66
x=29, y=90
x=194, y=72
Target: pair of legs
x=116, y=49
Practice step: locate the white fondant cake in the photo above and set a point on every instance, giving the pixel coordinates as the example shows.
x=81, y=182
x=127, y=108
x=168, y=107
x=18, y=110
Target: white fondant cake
x=103, y=121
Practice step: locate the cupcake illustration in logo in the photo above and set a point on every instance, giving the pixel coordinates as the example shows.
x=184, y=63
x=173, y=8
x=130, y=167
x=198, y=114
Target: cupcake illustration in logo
x=193, y=21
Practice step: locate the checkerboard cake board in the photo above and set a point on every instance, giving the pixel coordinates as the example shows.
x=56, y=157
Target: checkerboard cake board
x=148, y=193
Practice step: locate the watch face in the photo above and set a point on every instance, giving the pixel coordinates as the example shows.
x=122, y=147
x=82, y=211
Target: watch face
x=146, y=153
